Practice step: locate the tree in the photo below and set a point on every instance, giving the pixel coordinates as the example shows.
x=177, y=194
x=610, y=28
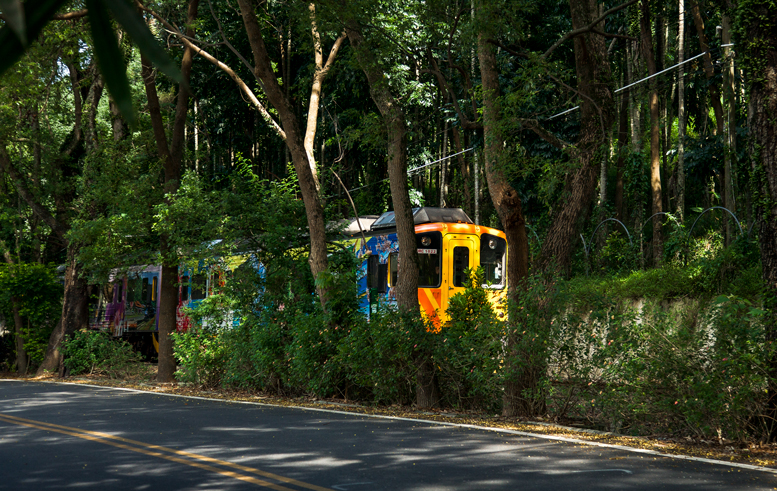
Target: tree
x=655, y=159
x=597, y=111
x=757, y=43
x=171, y=154
x=289, y=128
x=507, y=204
x=396, y=136
x=64, y=168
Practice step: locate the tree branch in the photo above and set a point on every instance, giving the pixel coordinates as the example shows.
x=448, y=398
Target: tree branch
x=435, y=70
x=76, y=14
x=26, y=195
x=589, y=28
x=226, y=69
x=546, y=135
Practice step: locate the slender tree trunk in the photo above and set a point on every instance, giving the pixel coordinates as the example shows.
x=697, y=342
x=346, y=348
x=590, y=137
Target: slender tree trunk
x=263, y=67
x=463, y=168
x=655, y=157
x=623, y=149
x=632, y=70
x=521, y=392
x=717, y=107
x=681, y=119
x=730, y=130
x=172, y=158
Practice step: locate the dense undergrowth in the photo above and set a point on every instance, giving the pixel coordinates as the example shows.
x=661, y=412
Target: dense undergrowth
x=677, y=350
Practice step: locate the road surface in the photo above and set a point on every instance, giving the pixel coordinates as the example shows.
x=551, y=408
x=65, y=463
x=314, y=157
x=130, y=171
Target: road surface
x=63, y=436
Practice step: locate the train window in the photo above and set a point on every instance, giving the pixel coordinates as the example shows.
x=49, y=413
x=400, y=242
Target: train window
x=144, y=291
x=393, y=268
x=429, y=247
x=198, y=287
x=184, y=288
x=460, y=265
x=492, y=259
x=376, y=274
x=132, y=285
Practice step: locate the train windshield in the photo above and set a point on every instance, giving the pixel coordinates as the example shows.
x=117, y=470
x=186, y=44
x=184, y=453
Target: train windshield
x=492, y=260
x=429, y=247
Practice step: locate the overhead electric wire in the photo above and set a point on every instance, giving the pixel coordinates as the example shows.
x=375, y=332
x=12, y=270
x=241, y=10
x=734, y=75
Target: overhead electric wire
x=635, y=83
x=713, y=51
x=414, y=169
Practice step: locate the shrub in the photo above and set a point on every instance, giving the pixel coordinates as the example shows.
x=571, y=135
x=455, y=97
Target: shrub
x=97, y=352
x=201, y=355
x=469, y=351
x=379, y=356
x=37, y=294
x=690, y=369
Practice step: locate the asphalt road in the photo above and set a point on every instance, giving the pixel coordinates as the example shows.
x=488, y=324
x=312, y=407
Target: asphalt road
x=57, y=436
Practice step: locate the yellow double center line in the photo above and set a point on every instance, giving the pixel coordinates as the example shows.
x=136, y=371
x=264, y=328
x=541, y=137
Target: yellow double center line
x=190, y=459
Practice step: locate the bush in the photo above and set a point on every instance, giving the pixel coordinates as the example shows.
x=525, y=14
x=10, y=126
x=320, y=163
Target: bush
x=469, y=352
x=201, y=356
x=378, y=356
x=688, y=369
x=38, y=297
x=97, y=352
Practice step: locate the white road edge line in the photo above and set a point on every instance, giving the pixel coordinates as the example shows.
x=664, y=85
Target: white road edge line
x=438, y=423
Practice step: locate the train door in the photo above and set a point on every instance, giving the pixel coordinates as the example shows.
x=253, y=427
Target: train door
x=459, y=254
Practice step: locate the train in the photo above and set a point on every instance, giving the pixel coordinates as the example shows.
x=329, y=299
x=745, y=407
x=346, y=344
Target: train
x=448, y=243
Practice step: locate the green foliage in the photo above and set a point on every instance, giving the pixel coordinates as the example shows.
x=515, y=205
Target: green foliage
x=694, y=369
x=97, y=352
x=34, y=289
x=379, y=355
x=201, y=355
x=469, y=352
x=617, y=256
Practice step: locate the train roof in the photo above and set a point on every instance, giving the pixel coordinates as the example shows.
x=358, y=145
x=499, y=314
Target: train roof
x=386, y=223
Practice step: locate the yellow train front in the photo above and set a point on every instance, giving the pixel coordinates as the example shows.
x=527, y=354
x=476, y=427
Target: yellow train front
x=448, y=244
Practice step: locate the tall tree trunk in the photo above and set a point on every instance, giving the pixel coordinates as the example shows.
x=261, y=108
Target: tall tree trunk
x=633, y=73
x=655, y=157
x=681, y=119
x=597, y=113
x=717, y=107
x=523, y=379
x=263, y=68
x=75, y=312
x=730, y=130
x=758, y=48
x=623, y=149
x=407, y=274
x=463, y=169
x=172, y=158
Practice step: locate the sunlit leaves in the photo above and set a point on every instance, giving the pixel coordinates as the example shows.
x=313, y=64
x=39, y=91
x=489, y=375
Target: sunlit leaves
x=23, y=25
